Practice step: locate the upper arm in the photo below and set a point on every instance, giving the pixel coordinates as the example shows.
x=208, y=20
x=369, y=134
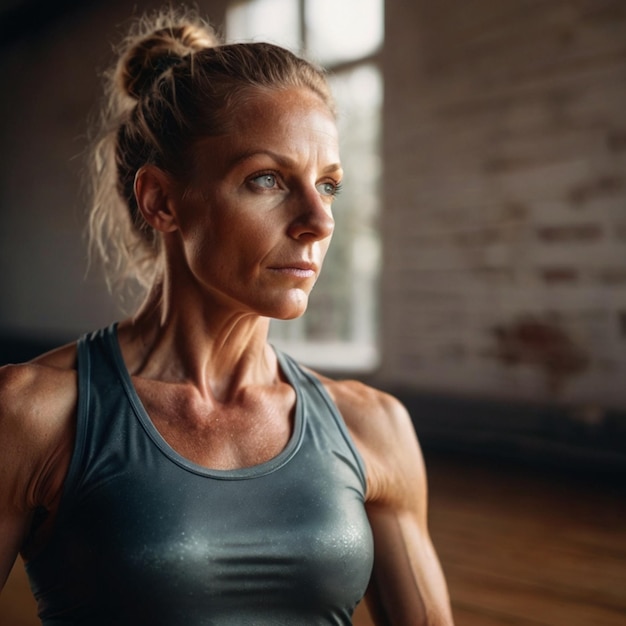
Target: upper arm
x=37, y=404
x=407, y=585
x=15, y=482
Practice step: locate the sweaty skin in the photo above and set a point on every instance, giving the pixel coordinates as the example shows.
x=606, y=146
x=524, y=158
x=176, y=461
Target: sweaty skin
x=244, y=239
x=155, y=539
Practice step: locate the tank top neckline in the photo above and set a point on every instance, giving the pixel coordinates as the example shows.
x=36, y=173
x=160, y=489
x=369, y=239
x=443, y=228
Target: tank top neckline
x=252, y=471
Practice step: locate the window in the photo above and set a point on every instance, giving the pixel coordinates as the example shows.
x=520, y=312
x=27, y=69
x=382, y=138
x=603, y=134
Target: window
x=338, y=331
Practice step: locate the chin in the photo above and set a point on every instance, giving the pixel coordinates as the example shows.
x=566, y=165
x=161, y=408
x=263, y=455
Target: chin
x=292, y=310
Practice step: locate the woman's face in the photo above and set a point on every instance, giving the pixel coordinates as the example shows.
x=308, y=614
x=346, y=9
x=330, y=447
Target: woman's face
x=255, y=220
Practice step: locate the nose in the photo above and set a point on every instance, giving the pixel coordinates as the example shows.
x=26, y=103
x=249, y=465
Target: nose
x=314, y=218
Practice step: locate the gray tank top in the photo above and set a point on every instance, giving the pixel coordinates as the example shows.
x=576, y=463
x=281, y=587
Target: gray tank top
x=144, y=536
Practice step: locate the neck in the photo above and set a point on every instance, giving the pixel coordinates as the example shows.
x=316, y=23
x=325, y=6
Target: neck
x=218, y=350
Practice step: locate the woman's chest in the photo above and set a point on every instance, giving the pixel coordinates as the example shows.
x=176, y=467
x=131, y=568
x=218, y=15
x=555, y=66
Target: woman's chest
x=286, y=543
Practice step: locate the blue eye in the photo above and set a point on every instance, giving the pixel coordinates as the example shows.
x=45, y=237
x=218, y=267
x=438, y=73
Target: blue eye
x=267, y=181
x=329, y=189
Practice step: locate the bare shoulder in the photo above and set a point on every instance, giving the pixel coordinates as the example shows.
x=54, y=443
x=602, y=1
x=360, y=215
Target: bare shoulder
x=48, y=379
x=37, y=409
x=383, y=432
x=367, y=411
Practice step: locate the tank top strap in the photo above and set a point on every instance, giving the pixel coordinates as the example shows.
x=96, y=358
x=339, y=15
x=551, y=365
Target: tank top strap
x=317, y=398
x=85, y=361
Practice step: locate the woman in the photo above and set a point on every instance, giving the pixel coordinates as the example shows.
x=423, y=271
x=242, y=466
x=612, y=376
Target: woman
x=174, y=469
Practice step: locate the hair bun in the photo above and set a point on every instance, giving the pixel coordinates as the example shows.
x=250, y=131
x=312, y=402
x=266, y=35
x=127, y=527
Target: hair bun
x=149, y=55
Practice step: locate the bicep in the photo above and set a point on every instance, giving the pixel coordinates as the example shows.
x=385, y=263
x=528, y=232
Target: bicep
x=407, y=585
x=15, y=512
x=25, y=440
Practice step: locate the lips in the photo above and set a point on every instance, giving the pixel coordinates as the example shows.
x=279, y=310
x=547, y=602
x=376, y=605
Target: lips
x=303, y=269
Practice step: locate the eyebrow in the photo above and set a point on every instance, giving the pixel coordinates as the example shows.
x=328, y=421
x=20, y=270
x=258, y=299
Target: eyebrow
x=281, y=159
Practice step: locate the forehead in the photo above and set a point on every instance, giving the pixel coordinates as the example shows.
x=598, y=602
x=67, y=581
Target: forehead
x=287, y=101
x=281, y=113
x=295, y=121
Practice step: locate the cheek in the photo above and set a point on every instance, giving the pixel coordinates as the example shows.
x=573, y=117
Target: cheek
x=232, y=248
x=228, y=234
x=254, y=235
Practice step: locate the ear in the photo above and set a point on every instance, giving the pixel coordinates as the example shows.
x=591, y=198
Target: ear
x=154, y=192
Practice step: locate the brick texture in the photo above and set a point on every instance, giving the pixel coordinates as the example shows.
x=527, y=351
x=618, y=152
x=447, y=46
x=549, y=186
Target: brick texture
x=505, y=199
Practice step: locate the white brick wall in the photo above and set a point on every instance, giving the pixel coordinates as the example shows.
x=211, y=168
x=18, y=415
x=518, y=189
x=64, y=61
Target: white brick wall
x=505, y=199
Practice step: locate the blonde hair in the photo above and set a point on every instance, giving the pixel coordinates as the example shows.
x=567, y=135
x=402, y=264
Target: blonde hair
x=173, y=83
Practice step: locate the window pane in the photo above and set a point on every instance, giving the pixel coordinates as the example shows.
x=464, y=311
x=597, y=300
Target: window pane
x=275, y=21
x=342, y=30
x=356, y=246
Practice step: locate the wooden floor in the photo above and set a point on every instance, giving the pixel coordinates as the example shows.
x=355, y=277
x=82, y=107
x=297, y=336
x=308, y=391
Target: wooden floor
x=518, y=546
x=529, y=547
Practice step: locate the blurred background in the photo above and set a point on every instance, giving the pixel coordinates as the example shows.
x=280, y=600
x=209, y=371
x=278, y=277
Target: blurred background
x=478, y=270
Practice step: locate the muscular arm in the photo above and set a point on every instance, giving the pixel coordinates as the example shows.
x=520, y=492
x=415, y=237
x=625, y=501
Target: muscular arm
x=37, y=405
x=15, y=479
x=407, y=587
